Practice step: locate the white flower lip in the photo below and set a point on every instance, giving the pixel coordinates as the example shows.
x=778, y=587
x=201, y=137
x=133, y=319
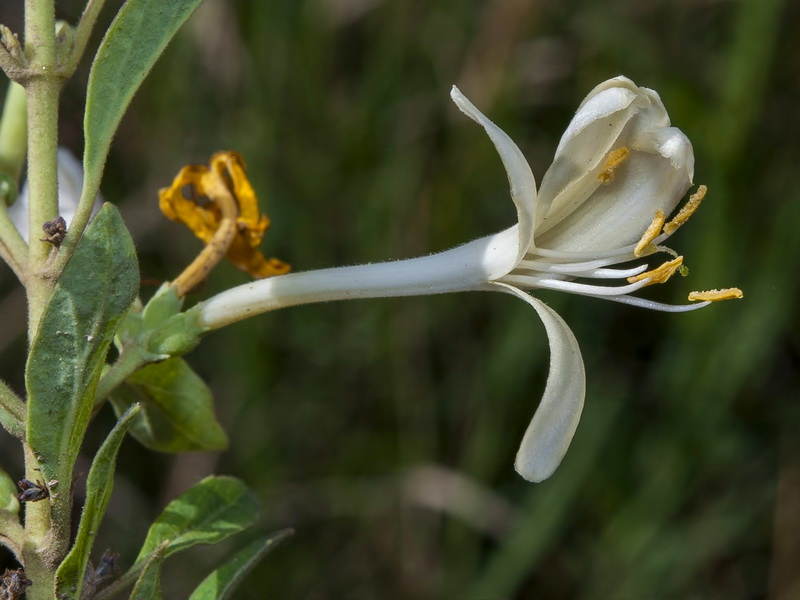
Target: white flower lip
x=618, y=166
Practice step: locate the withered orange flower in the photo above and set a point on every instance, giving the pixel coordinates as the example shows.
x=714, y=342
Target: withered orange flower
x=223, y=212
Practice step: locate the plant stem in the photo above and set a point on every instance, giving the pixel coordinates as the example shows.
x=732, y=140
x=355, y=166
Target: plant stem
x=42, y=94
x=11, y=533
x=116, y=587
x=82, y=34
x=129, y=361
x=44, y=545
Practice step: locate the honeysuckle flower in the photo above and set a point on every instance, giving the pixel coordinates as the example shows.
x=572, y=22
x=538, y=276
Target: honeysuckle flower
x=70, y=182
x=619, y=170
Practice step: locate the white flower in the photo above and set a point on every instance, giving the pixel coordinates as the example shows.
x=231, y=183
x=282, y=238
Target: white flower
x=618, y=171
x=70, y=182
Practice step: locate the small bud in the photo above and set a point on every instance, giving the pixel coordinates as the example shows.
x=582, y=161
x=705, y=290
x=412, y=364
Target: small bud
x=10, y=41
x=8, y=190
x=55, y=231
x=65, y=42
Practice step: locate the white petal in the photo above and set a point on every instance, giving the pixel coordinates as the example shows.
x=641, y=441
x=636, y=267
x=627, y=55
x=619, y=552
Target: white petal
x=654, y=177
x=520, y=177
x=593, y=131
x=70, y=182
x=615, y=114
x=550, y=432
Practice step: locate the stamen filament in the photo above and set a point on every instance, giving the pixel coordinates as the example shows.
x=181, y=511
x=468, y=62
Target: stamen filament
x=585, y=289
x=570, y=256
x=570, y=270
x=652, y=305
x=567, y=268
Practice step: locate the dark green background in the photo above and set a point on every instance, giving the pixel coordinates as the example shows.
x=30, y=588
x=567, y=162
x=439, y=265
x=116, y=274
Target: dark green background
x=384, y=431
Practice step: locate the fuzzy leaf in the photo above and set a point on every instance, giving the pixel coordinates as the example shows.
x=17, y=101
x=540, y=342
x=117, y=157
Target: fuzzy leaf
x=148, y=585
x=177, y=408
x=130, y=48
x=95, y=290
x=211, y=511
x=8, y=494
x=222, y=582
x=99, y=484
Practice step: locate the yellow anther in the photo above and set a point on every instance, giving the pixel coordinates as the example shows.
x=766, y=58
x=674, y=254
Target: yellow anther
x=650, y=234
x=659, y=274
x=229, y=222
x=686, y=211
x=716, y=295
x=614, y=160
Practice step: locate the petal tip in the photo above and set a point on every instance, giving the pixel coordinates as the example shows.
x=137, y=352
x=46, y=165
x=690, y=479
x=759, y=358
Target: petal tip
x=532, y=472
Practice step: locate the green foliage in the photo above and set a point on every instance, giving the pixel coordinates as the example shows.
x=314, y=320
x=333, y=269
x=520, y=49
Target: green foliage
x=211, y=511
x=159, y=330
x=8, y=494
x=94, y=292
x=99, y=485
x=10, y=421
x=221, y=583
x=148, y=585
x=177, y=408
x=130, y=48
x=8, y=189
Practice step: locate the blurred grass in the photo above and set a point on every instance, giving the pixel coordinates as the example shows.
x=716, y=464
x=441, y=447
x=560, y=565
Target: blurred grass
x=679, y=483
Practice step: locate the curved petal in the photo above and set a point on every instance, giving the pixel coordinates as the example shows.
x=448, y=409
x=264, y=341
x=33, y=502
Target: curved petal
x=617, y=115
x=520, y=177
x=593, y=131
x=550, y=432
x=651, y=179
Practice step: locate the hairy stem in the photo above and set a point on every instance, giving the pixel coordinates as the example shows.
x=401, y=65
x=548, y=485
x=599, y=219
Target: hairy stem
x=44, y=545
x=130, y=360
x=42, y=95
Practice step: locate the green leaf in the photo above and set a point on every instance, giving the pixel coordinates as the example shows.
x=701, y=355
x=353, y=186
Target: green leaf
x=222, y=582
x=8, y=494
x=95, y=290
x=99, y=484
x=130, y=48
x=177, y=408
x=211, y=511
x=163, y=305
x=148, y=586
x=11, y=423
